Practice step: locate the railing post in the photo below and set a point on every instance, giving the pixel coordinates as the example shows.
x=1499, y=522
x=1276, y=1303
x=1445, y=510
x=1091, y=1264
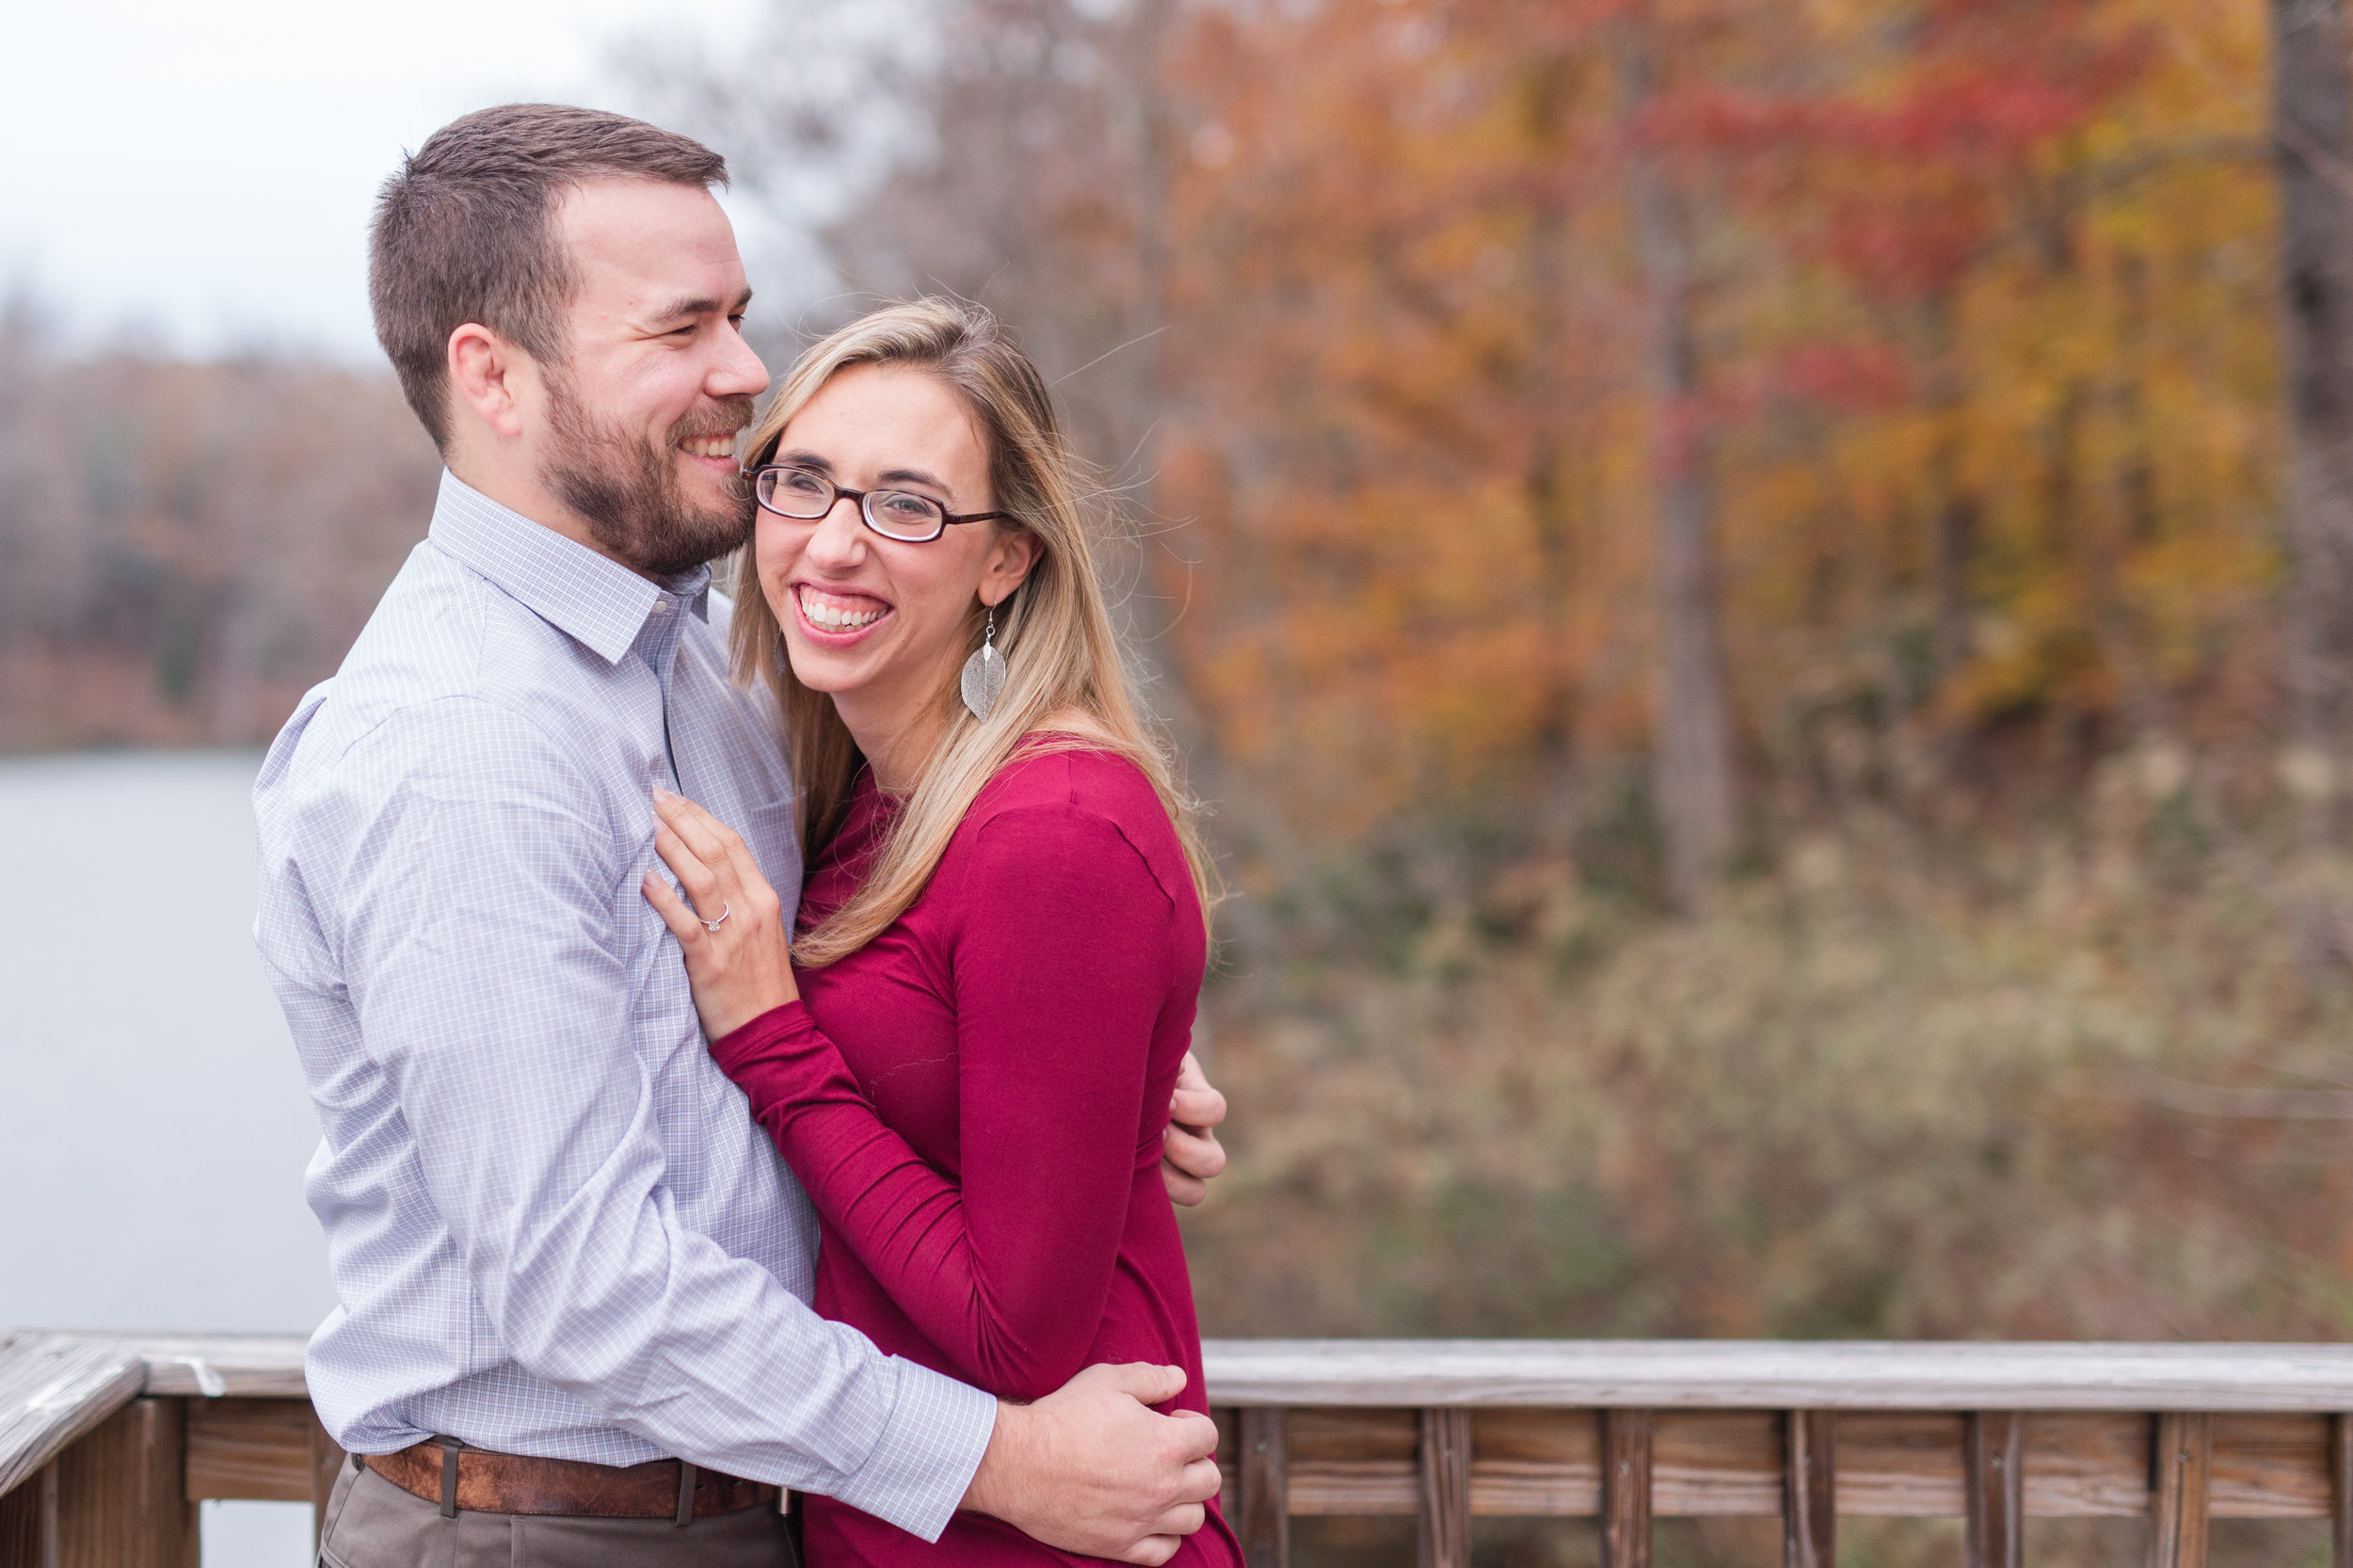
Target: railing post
x=1445, y=1455
x=167, y=1533
x=118, y=1495
x=1809, y=1489
x=2177, y=1502
x=2340, y=1490
x=46, y=1545
x=1264, y=1523
x=1996, y=1479
x=1626, y=1461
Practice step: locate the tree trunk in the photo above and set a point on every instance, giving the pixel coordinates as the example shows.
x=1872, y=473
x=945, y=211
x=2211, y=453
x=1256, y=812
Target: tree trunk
x=1953, y=524
x=2312, y=129
x=1239, y=819
x=1691, y=727
x=1548, y=474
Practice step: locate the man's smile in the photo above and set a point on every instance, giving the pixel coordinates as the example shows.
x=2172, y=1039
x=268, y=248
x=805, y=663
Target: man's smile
x=718, y=449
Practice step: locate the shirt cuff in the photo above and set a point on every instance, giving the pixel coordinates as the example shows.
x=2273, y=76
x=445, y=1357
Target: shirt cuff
x=920, y=1469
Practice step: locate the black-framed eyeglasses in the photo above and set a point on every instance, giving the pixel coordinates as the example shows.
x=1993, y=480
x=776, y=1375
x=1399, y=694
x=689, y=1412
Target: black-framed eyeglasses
x=807, y=495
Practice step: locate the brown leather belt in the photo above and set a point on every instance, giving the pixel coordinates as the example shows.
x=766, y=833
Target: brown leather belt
x=479, y=1480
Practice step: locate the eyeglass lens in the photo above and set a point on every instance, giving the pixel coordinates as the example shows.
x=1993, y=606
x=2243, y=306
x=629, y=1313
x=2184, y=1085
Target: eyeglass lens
x=894, y=514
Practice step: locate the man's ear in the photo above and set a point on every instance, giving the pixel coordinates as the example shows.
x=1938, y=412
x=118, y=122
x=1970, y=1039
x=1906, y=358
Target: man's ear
x=1009, y=563
x=488, y=375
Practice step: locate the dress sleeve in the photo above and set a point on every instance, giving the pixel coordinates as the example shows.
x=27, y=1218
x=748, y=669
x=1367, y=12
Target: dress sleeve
x=1060, y=963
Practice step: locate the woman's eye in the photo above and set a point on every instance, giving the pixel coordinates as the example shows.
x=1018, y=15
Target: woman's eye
x=804, y=484
x=909, y=506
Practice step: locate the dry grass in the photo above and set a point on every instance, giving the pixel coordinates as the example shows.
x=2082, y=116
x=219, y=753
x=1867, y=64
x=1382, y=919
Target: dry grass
x=1850, y=1102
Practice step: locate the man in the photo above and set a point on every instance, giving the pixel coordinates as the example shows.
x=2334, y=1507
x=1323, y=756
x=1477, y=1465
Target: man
x=572, y=1274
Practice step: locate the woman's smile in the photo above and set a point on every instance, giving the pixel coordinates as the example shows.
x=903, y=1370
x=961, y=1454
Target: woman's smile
x=835, y=617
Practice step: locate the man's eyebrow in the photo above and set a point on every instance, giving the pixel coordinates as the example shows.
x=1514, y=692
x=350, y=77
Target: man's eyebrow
x=703, y=306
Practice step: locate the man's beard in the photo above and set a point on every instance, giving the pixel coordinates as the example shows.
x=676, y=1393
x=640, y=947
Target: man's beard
x=628, y=490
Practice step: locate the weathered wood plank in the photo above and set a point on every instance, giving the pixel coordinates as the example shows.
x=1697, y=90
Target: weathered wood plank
x=1228, y=1457
x=1444, y=1473
x=20, y=1525
x=174, y=1538
x=1344, y=1462
x=2269, y=1467
x=122, y=1502
x=1594, y=1374
x=1536, y=1462
x=1263, y=1521
x=1993, y=1448
x=1625, y=1491
x=1715, y=1462
x=2179, y=1463
x=256, y=1449
x=53, y=1387
x=1744, y=1374
x=1809, y=1508
x=1902, y=1464
x=2340, y=1490
x=1729, y=1463
x=2086, y=1463
x=217, y=1366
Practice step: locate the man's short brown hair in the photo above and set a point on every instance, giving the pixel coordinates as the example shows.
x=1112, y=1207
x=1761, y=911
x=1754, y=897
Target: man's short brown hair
x=466, y=231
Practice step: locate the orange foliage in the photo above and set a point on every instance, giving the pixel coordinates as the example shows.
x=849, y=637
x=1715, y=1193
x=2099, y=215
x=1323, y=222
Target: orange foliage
x=1988, y=320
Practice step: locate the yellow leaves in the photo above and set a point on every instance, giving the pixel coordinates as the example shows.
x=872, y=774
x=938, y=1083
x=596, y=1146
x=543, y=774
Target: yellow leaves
x=1418, y=335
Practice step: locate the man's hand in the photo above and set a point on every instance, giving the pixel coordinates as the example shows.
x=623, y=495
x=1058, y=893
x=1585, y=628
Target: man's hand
x=1091, y=1469
x=1189, y=1154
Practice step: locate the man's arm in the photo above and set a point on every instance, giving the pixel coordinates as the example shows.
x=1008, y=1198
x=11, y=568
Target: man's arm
x=1090, y=1469
x=476, y=920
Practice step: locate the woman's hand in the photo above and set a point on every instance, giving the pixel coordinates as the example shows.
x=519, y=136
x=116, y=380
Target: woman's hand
x=738, y=956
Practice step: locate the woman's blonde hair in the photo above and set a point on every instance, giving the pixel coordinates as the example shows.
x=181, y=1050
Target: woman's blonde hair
x=1067, y=687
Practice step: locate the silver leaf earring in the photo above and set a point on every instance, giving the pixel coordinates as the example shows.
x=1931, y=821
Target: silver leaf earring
x=984, y=674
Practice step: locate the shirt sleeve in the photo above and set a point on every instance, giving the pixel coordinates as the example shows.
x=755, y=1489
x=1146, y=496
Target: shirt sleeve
x=1060, y=964
x=484, y=880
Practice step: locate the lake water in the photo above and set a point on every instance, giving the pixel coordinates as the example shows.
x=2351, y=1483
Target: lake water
x=153, y=1127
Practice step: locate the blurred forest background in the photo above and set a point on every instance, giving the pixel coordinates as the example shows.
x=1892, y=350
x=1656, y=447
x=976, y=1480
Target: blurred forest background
x=1761, y=591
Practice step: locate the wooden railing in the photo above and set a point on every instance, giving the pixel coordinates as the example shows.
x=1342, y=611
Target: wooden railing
x=107, y=1442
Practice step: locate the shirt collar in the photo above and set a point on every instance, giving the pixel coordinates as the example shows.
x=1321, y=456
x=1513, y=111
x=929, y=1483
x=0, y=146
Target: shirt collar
x=588, y=597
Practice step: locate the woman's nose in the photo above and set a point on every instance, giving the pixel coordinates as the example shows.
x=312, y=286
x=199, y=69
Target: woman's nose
x=841, y=536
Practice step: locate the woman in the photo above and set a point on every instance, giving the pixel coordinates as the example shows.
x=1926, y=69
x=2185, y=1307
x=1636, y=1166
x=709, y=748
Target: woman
x=1002, y=938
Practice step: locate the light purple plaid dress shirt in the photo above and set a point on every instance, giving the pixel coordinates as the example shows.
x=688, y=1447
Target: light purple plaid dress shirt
x=552, y=1226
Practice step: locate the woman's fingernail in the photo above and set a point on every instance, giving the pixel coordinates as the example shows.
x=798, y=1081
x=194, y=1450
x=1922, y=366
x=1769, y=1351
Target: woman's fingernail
x=661, y=793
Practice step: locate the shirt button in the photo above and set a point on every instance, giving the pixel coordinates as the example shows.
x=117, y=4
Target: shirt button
x=661, y=606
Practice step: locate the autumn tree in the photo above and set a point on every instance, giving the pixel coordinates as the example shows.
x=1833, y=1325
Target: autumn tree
x=2312, y=125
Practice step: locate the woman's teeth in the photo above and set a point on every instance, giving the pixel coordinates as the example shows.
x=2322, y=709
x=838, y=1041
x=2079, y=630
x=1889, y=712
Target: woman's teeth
x=708, y=446
x=836, y=614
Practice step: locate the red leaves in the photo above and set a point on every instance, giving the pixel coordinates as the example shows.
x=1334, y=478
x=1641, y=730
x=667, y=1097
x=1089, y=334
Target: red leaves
x=1844, y=377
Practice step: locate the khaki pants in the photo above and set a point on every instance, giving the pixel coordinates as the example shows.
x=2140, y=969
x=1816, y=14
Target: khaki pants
x=373, y=1524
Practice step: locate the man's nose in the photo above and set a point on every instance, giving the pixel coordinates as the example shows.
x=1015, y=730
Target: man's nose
x=738, y=372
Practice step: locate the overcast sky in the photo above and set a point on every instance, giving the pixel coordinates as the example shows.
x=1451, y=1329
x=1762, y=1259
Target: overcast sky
x=200, y=175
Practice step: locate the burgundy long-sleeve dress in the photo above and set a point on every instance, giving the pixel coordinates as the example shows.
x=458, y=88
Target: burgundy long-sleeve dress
x=974, y=1101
